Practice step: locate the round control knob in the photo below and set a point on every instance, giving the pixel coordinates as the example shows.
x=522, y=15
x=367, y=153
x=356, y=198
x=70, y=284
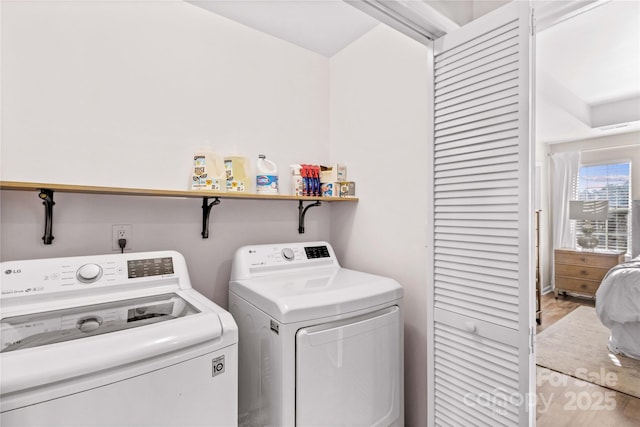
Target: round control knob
x=89, y=324
x=89, y=273
x=287, y=253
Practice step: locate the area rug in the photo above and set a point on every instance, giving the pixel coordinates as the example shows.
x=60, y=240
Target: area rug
x=576, y=345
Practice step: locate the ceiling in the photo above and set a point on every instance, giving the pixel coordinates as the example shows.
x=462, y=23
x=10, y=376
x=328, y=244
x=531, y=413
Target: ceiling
x=588, y=74
x=328, y=26
x=587, y=67
x=322, y=26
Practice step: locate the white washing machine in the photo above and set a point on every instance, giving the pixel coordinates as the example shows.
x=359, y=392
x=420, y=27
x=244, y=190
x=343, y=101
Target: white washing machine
x=113, y=340
x=320, y=345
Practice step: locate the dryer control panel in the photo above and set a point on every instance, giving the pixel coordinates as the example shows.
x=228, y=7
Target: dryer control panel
x=258, y=260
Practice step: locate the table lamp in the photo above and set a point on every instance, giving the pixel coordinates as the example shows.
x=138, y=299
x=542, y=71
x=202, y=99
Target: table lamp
x=591, y=210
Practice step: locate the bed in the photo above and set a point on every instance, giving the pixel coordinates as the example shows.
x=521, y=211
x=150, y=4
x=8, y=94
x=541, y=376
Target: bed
x=618, y=307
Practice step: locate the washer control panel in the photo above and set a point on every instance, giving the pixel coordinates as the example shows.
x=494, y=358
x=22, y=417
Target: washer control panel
x=35, y=277
x=260, y=259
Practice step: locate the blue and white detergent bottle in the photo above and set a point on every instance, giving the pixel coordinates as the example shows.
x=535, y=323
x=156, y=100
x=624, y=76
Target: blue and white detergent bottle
x=266, y=176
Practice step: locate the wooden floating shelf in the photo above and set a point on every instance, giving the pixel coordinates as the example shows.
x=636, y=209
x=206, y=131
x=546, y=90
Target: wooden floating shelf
x=46, y=192
x=120, y=191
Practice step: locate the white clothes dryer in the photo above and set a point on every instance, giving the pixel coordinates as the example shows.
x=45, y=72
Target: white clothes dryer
x=320, y=345
x=113, y=340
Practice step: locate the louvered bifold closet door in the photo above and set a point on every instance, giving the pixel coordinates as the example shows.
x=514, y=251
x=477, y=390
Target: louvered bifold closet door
x=481, y=238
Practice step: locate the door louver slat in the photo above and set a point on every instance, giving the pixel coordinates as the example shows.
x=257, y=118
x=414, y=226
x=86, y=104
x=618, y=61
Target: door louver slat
x=476, y=185
x=481, y=253
x=470, y=142
x=469, y=106
x=451, y=275
x=474, y=201
x=479, y=73
x=475, y=86
x=469, y=300
x=475, y=208
x=489, y=109
x=487, y=157
x=498, y=249
x=453, y=270
x=485, y=177
x=506, y=117
x=504, y=155
x=471, y=239
x=478, y=96
x=495, y=268
x=478, y=232
x=476, y=54
x=494, y=34
x=504, y=166
x=457, y=280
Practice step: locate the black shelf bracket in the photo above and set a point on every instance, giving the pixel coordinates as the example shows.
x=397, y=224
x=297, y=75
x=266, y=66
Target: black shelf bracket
x=302, y=211
x=47, y=200
x=206, y=211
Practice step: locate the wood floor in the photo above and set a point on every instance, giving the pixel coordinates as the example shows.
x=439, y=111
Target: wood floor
x=565, y=401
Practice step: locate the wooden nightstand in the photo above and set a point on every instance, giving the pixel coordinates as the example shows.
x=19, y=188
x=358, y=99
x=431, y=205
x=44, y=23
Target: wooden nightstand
x=582, y=272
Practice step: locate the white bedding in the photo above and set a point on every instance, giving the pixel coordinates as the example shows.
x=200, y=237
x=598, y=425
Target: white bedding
x=618, y=307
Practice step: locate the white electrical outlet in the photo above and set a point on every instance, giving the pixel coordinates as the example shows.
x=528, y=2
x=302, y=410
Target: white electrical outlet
x=121, y=231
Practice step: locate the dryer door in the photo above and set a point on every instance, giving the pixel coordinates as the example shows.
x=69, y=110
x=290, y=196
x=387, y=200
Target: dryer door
x=349, y=372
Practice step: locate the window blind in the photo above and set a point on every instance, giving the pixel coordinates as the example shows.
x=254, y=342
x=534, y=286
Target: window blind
x=608, y=182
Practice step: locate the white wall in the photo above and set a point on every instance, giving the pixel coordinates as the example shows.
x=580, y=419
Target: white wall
x=379, y=101
x=121, y=94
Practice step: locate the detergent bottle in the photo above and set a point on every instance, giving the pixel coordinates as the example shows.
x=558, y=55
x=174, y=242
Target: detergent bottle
x=266, y=176
x=207, y=171
x=296, y=180
x=236, y=174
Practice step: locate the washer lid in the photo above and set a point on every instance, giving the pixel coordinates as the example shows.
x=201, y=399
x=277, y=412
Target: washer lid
x=316, y=293
x=176, y=321
x=50, y=327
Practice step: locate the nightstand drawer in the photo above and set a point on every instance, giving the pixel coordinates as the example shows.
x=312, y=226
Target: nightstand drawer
x=577, y=285
x=581, y=272
x=592, y=259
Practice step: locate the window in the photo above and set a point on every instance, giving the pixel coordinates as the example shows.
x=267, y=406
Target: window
x=609, y=182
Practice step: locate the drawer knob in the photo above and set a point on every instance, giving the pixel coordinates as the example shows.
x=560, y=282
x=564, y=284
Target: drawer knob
x=583, y=259
x=584, y=272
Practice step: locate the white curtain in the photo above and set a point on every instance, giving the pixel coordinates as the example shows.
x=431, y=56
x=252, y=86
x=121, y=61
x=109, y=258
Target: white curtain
x=635, y=229
x=563, y=188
